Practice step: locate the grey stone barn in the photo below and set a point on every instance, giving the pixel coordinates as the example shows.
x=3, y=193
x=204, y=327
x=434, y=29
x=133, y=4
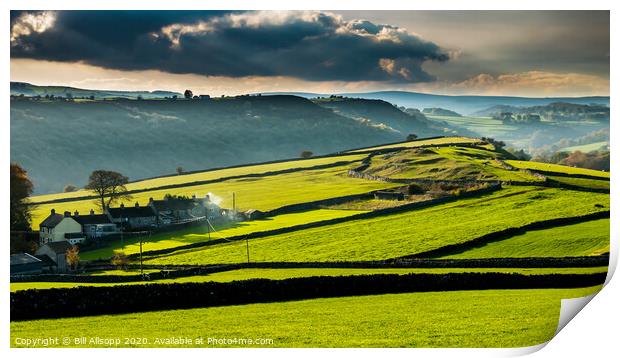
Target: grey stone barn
x=174, y=210
x=25, y=264
x=96, y=226
x=57, y=252
x=133, y=217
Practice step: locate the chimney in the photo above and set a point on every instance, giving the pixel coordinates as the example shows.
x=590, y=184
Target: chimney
x=67, y=214
x=137, y=205
x=53, y=212
x=92, y=212
x=76, y=213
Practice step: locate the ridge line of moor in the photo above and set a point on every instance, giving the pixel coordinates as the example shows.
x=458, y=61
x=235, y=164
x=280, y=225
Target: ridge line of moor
x=206, y=181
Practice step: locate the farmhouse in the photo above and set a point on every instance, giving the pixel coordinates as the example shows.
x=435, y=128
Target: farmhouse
x=173, y=210
x=56, y=252
x=133, y=218
x=25, y=264
x=55, y=227
x=95, y=226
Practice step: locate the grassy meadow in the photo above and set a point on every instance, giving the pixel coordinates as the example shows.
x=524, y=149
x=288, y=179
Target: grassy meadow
x=211, y=175
x=405, y=233
x=444, y=163
x=556, y=168
x=203, y=233
x=474, y=318
x=518, y=318
x=264, y=193
x=583, y=239
x=421, y=142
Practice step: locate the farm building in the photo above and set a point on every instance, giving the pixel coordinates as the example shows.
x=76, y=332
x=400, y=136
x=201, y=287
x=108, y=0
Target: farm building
x=136, y=217
x=95, y=226
x=172, y=210
x=389, y=195
x=56, y=252
x=253, y=214
x=55, y=227
x=25, y=264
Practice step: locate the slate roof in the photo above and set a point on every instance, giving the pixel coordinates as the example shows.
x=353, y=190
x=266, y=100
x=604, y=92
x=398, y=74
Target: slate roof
x=59, y=247
x=23, y=259
x=132, y=212
x=52, y=220
x=92, y=219
x=172, y=204
x=47, y=261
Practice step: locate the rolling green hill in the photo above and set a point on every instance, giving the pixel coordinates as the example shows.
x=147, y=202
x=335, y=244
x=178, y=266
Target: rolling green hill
x=467, y=208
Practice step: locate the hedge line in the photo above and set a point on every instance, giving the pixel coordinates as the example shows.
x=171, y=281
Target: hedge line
x=86, y=301
x=176, y=271
x=508, y=233
x=306, y=206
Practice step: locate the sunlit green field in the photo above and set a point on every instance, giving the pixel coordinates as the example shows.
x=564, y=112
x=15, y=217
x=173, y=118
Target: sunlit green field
x=284, y=273
x=489, y=318
x=444, y=163
x=585, y=183
x=556, y=168
x=203, y=233
x=266, y=193
x=405, y=233
x=583, y=239
x=211, y=175
x=423, y=142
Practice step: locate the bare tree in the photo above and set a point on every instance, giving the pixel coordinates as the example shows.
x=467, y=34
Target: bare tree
x=109, y=187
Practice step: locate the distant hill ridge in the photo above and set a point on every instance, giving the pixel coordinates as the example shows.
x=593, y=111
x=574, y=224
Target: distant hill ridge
x=145, y=138
x=27, y=89
x=460, y=104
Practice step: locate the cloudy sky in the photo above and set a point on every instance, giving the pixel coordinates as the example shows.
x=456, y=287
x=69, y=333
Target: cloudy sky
x=524, y=53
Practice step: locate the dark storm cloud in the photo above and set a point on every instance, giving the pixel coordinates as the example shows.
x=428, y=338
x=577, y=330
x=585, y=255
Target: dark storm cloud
x=307, y=45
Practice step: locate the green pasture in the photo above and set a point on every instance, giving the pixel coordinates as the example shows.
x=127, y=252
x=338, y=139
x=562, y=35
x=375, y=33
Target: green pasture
x=405, y=233
x=556, y=168
x=582, y=182
x=488, y=318
x=210, y=175
x=204, y=233
x=583, y=239
x=423, y=142
x=264, y=193
x=445, y=163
